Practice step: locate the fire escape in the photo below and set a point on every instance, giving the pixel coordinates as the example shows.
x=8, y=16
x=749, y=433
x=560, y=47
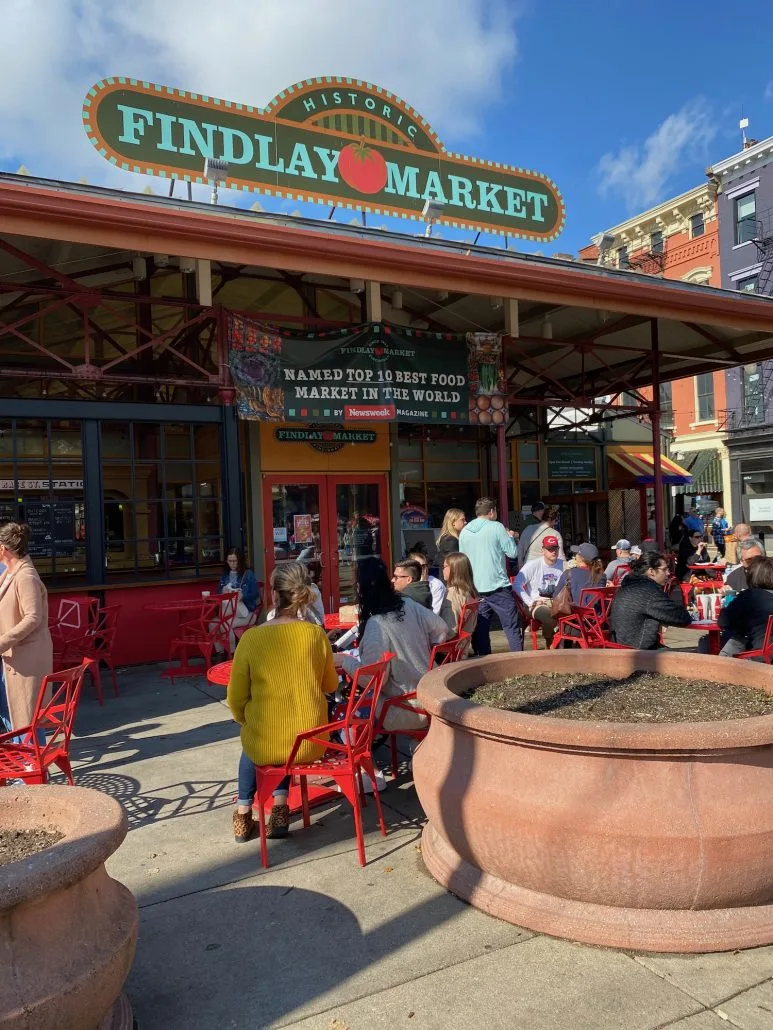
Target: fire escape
x=763, y=241
x=650, y=262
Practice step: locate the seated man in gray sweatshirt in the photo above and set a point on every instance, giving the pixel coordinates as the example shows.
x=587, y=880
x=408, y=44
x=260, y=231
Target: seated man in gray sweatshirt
x=488, y=545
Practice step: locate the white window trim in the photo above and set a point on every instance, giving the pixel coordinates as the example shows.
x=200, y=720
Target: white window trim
x=698, y=276
x=745, y=187
x=744, y=273
x=698, y=420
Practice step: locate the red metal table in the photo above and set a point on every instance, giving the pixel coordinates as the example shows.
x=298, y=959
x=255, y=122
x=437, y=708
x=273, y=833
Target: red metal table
x=190, y=604
x=318, y=793
x=334, y=622
x=713, y=630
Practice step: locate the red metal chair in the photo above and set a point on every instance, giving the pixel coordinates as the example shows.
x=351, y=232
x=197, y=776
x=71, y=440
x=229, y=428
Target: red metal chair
x=211, y=626
x=766, y=651
x=620, y=573
x=28, y=759
x=344, y=760
x=528, y=622
x=583, y=628
x=254, y=616
x=468, y=616
x=599, y=599
x=97, y=644
x=74, y=617
x=442, y=654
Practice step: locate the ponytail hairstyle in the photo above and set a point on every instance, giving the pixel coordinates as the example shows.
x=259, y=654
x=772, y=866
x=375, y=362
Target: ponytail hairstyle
x=596, y=568
x=292, y=586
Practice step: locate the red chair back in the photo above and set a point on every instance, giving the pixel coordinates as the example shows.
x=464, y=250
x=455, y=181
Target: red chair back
x=449, y=652
x=590, y=625
x=620, y=573
x=360, y=717
x=468, y=616
x=55, y=712
x=599, y=600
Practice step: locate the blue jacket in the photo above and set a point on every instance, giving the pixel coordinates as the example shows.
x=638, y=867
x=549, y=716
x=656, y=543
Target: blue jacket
x=248, y=585
x=693, y=524
x=488, y=544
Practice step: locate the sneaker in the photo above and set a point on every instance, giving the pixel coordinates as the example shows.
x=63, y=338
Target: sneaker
x=243, y=827
x=279, y=822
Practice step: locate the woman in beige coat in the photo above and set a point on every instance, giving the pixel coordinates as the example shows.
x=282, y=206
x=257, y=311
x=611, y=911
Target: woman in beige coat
x=26, y=652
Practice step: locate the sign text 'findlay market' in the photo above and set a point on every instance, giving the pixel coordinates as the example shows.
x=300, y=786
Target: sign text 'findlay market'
x=327, y=141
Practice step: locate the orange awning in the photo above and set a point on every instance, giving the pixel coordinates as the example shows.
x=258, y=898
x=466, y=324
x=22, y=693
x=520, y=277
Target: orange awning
x=639, y=463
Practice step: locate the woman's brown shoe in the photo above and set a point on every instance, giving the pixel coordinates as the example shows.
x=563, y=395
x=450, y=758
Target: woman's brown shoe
x=279, y=822
x=243, y=827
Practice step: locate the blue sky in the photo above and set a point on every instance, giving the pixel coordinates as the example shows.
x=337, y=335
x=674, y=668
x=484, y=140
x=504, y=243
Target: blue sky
x=622, y=106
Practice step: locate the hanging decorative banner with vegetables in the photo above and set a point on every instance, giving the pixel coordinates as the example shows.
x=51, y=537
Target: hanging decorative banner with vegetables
x=332, y=140
x=371, y=372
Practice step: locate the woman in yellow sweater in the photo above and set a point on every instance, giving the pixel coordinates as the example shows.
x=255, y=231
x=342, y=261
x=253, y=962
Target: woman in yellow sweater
x=281, y=673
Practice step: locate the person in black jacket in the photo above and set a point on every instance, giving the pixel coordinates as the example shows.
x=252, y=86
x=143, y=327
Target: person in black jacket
x=448, y=541
x=641, y=607
x=407, y=579
x=747, y=615
x=692, y=551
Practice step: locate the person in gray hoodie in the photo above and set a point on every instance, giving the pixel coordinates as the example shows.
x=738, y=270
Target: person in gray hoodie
x=488, y=545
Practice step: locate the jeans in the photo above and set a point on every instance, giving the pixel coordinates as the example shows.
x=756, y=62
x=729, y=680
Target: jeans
x=502, y=603
x=5, y=715
x=248, y=786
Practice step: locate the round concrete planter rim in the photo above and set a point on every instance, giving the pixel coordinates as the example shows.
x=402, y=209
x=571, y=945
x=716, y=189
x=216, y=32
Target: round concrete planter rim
x=93, y=824
x=438, y=692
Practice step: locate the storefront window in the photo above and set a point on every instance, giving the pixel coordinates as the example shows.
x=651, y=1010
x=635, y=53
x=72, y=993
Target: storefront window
x=440, y=472
x=41, y=483
x=162, y=499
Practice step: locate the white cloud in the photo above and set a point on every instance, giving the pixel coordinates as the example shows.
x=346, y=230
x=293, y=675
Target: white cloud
x=447, y=58
x=640, y=173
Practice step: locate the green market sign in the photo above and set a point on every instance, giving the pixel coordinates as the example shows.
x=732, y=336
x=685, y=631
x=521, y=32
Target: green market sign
x=327, y=439
x=335, y=141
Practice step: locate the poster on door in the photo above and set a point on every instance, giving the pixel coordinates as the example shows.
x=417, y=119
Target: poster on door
x=371, y=372
x=302, y=530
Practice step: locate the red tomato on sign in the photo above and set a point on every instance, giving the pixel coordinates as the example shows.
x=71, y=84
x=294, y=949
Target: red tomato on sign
x=362, y=168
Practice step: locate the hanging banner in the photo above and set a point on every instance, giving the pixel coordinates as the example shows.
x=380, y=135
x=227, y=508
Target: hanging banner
x=371, y=372
x=331, y=140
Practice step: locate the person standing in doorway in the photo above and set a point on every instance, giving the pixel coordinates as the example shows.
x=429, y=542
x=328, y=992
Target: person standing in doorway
x=719, y=528
x=488, y=545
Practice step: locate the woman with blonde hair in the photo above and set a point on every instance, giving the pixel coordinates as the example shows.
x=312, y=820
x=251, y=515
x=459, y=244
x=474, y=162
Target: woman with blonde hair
x=454, y=522
x=457, y=573
x=26, y=651
x=280, y=675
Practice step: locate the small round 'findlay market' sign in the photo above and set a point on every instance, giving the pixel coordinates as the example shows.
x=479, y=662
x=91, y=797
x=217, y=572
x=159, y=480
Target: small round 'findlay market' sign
x=328, y=140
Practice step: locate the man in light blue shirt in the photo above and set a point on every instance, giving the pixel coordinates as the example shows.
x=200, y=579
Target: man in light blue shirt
x=488, y=545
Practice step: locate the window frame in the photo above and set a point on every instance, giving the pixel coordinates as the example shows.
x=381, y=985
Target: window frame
x=708, y=415
x=701, y=221
x=657, y=242
x=746, y=220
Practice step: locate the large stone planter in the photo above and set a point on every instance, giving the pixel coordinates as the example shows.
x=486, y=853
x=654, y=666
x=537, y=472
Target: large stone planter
x=67, y=930
x=656, y=837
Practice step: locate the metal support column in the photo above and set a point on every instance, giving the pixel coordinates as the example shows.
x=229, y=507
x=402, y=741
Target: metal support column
x=233, y=522
x=503, y=506
x=92, y=478
x=656, y=435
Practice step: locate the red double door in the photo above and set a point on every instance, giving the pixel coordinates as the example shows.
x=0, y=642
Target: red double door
x=329, y=523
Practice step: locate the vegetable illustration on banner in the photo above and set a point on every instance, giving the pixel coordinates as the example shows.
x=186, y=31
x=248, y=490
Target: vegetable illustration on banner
x=370, y=372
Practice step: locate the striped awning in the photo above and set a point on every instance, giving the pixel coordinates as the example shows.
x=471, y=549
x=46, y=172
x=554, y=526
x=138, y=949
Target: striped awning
x=706, y=471
x=639, y=463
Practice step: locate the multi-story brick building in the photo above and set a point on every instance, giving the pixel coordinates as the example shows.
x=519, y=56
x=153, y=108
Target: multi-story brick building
x=744, y=184
x=679, y=239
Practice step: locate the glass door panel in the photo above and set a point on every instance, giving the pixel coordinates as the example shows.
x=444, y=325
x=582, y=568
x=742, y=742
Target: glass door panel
x=296, y=526
x=358, y=512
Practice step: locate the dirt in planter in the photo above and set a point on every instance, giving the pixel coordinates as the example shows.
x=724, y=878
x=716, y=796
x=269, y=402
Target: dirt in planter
x=641, y=697
x=18, y=844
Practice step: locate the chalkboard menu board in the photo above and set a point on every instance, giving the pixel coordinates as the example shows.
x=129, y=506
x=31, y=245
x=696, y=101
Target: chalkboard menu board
x=8, y=512
x=52, y=528
x=571, y=462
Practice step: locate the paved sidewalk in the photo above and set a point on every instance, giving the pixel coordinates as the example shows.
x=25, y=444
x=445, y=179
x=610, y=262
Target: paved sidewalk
x=315, y=941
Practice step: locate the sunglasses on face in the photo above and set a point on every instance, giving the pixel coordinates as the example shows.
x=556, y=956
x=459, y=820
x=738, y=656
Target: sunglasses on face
x=555, y=549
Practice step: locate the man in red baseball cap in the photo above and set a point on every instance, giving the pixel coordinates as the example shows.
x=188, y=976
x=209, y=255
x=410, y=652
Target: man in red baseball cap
x=536, y=583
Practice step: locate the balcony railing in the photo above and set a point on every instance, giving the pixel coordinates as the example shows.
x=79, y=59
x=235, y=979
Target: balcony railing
x=730, y=419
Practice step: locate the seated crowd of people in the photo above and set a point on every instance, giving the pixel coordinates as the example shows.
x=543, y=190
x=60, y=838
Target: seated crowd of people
x=284, y=671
